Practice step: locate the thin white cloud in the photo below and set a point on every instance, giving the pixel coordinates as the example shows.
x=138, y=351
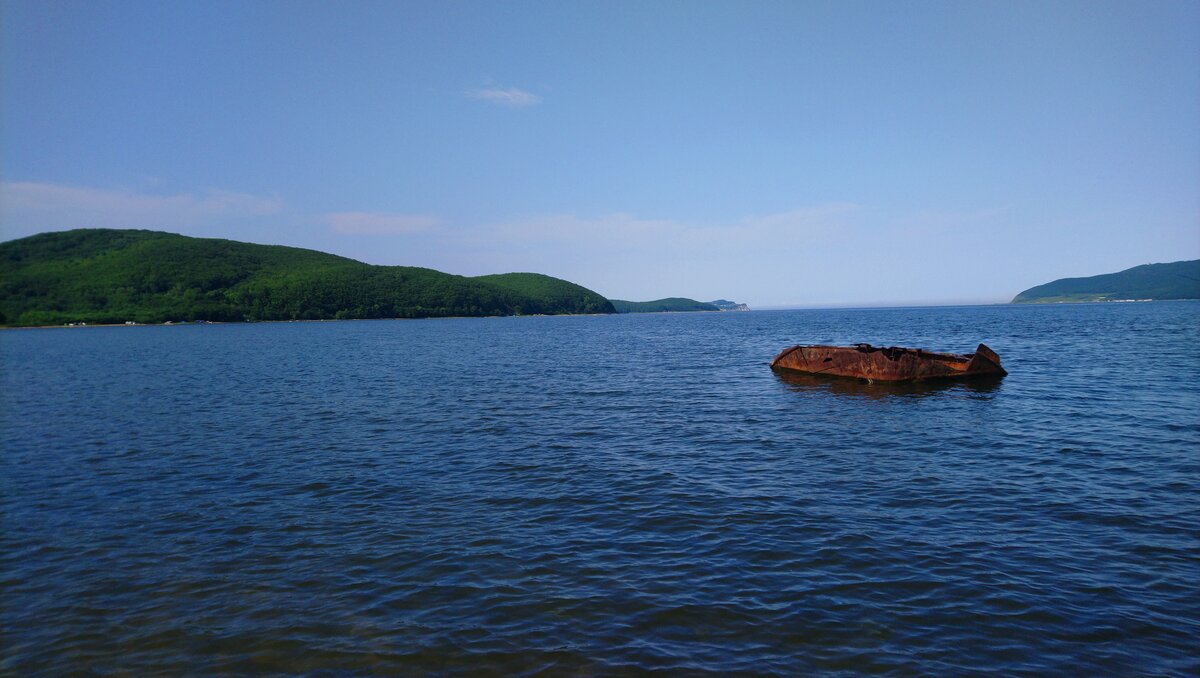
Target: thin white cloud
x=377, y=223
x=511, y=97
x=28, y=206
x=632, y=257
x=832, y=215
x=832, y=253
x=625, y=230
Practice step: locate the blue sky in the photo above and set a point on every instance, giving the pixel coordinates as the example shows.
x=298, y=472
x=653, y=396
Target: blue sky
x=777, y=153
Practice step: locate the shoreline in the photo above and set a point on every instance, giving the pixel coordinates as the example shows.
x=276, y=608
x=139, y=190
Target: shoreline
x=79, y=326
x=767, y=309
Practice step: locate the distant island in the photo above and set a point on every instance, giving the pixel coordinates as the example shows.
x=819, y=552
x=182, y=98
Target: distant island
x=675, y=305
x=103, y=276
x=1178, y=280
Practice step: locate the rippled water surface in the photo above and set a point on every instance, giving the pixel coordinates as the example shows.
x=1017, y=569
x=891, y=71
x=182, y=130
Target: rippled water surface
x=602, y=495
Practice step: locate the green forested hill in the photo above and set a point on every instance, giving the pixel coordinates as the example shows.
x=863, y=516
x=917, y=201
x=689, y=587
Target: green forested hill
x=537, y=293
x=670, y=304
x=1178, y=280
x=105, y=276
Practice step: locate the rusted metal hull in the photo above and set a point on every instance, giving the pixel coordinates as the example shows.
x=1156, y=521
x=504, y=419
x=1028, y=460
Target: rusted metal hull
x=873, y=363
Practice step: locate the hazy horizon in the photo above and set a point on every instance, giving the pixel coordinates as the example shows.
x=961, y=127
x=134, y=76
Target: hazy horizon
x=779, y=155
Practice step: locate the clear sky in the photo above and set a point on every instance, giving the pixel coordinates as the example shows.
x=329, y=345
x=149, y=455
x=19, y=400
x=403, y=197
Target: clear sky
x=775, y=153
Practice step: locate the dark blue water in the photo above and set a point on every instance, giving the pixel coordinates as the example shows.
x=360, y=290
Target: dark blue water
x=603, y=495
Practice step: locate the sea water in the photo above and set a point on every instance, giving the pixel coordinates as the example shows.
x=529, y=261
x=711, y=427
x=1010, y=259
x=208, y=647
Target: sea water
x=602, y=495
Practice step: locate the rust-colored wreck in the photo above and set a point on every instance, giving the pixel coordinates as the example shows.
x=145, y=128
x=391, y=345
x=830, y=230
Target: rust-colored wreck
x=864, y=361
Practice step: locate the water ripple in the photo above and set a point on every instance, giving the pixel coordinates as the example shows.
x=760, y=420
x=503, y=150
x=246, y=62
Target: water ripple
x=594, y=496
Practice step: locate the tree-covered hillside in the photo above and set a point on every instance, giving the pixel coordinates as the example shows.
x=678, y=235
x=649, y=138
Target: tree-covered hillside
x=533, y=293
x=670, y=304
x=1178, y=280
x=113, y=276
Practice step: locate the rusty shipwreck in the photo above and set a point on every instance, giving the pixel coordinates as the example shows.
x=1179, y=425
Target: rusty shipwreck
x=873, y=363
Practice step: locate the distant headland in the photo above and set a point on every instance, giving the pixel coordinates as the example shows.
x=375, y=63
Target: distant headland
x=109, y=276
x=1178, y=280
x=676, y=305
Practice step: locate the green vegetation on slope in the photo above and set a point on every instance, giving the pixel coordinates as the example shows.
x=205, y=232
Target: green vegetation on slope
x=113, y=276
x=1178, y=280
x=670, y=304
x=534, y=293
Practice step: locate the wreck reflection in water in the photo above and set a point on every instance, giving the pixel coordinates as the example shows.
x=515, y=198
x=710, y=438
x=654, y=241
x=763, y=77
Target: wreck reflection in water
x=845, y=387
